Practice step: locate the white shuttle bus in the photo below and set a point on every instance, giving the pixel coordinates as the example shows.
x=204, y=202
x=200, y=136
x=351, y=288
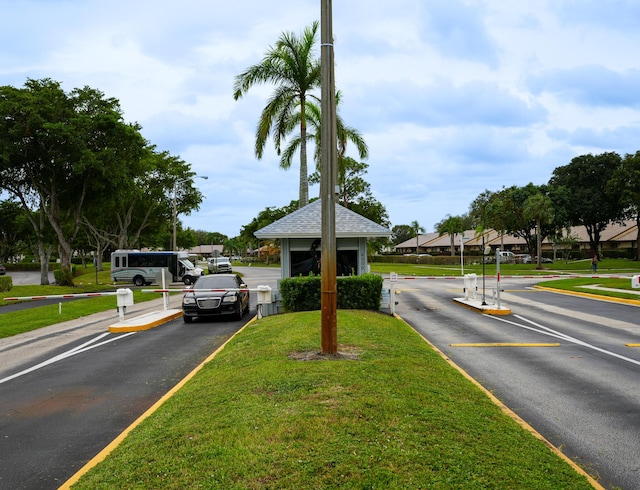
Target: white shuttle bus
x=140, y=268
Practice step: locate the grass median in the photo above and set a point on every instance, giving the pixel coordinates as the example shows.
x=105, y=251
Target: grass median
x=389, y=412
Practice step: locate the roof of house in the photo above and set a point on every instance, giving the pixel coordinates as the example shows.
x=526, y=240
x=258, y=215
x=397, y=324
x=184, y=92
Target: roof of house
x=306, y=222
x=614, y=232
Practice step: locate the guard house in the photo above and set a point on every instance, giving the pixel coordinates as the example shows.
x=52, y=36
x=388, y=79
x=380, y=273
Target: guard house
x=299, y=234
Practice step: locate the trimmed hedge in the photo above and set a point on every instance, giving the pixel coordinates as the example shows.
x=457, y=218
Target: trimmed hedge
x=6, y=283
x=354, y=293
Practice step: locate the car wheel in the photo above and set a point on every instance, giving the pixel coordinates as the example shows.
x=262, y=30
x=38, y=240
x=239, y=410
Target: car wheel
x=187, y=319
x=138, y=281
x=187, y=280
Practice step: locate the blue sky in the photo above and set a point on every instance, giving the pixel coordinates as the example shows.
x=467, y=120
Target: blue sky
x=452, y=96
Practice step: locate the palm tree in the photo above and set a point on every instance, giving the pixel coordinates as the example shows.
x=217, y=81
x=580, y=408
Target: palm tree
x=417, y=229
x=291, y=66
x=451, y=225
x=344, y=134
x=539, y=207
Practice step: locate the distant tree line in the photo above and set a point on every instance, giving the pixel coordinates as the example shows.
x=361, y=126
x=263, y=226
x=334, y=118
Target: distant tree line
x=591, y=191
x=79, y=177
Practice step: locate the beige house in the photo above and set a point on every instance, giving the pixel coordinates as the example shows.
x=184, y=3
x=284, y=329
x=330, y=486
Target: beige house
x=616, y=237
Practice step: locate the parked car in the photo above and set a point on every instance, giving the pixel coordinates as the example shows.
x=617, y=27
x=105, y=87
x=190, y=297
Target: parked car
x=543, y=260
x=3, y=270
x=215, y=296
x=219, y=265
x=507, y=257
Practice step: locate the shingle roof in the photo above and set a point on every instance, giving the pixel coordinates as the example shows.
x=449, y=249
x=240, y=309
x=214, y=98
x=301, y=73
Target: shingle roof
x=307, y=223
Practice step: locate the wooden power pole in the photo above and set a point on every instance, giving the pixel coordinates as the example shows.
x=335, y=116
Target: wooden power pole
x=329, y=303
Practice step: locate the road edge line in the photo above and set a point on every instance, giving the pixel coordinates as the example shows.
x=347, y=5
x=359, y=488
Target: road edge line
x=102, y=455
x=510, y=413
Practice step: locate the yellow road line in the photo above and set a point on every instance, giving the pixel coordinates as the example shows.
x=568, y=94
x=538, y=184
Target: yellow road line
x=632, y=345
x=504, y=344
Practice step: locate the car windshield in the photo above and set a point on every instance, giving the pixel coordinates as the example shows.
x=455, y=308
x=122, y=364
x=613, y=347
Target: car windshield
x=216, y=282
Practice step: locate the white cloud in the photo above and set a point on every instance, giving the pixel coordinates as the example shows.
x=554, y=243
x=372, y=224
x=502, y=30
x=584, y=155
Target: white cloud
x=452, y=96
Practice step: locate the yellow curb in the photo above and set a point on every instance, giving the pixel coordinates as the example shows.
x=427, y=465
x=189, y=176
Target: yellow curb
x=486, y=311
x=506, y=410
x=504, y=344
x=124, y=328
x=102, y=455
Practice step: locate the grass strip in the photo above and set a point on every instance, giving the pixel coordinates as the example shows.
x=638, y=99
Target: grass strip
x=390, y=414
x=16, y=322
x=580, y=285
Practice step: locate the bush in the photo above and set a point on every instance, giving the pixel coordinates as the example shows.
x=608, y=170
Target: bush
x=423, y=259
x=65, y=279
x=354, y=293
x=25, y=266
x=6, y=283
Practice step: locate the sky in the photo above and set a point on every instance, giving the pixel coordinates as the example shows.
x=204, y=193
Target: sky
x=453, y=97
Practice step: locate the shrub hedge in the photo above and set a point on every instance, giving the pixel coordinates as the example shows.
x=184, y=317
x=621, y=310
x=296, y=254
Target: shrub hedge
x=354, y=293
x=6, y=283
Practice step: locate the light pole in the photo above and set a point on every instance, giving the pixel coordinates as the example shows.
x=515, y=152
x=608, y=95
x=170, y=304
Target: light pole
x=462, y=240
x=328, y=185
x=483, y=261
x=175, y=204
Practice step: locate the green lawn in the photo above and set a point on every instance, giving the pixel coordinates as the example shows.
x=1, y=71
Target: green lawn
x=606, y=266
x=23, y=321
x=13, y=323
x=391, y=414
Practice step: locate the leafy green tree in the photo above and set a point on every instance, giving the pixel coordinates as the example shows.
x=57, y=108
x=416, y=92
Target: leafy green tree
x=292, y=67
x=265, y=217
x=539, y=207
x=503, y=211
x=16, y=234
x=625, y=183
x=401, y=233
x=581, y=190
x=60, y=151
x=451, y=225
x=565, y=243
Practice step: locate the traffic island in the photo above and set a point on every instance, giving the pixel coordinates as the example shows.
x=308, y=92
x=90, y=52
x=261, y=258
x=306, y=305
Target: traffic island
x=145, y=322
x=477, y=305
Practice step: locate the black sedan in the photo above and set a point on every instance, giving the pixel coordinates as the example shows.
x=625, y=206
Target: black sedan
x=215, y=296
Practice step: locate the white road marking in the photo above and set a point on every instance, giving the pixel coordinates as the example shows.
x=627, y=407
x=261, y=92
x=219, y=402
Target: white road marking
x=76, y=350
x=559, y=335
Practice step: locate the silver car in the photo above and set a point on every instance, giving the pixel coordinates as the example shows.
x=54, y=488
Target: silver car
x=220, y=265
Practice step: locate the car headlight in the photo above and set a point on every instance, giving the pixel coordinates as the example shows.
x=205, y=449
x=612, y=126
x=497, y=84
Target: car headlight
x=188, y=300
x=231, y=298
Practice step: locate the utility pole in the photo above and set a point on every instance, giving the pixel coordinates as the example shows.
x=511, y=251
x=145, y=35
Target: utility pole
x=329, y=178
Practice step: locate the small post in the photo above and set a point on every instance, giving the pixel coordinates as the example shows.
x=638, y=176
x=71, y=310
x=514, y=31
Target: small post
x=498, y=277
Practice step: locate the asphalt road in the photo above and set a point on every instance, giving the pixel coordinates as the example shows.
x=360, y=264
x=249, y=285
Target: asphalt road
x=89, y=386
x=582, y=395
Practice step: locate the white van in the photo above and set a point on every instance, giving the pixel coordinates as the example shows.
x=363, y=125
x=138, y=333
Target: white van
x=140, y=268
